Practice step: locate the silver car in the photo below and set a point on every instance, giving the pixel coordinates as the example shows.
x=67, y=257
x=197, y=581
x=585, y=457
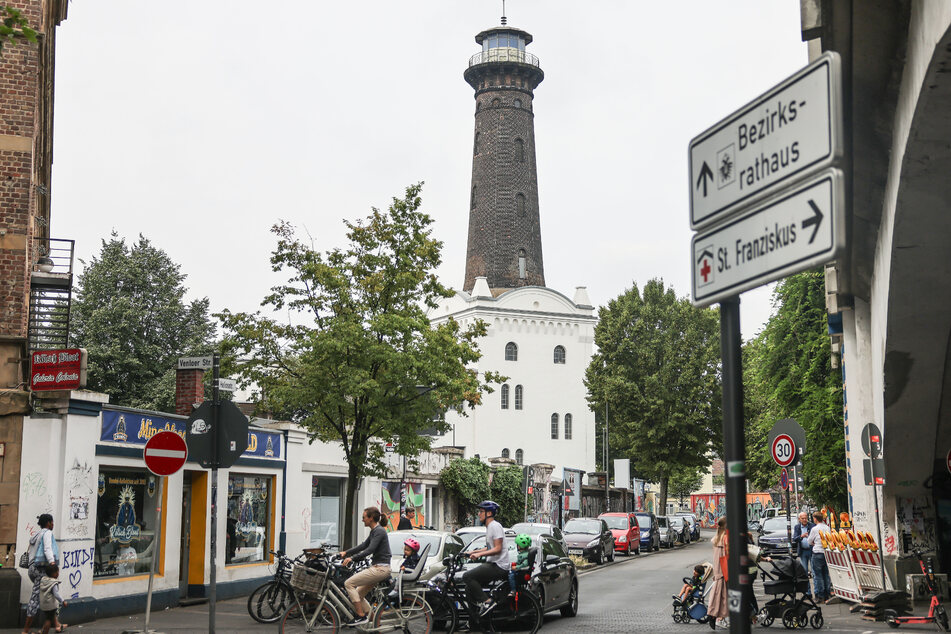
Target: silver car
x=668, y=536
x=441, y=544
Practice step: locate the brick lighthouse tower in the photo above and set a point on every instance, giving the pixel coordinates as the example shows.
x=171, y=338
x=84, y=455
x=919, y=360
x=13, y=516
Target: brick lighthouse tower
x=505, y=244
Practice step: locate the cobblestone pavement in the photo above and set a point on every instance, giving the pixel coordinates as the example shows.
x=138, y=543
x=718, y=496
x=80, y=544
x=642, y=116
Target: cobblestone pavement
x=631, y=595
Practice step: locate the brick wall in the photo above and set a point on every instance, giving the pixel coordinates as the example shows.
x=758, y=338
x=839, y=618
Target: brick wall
x=189, y=389
x=503, y=199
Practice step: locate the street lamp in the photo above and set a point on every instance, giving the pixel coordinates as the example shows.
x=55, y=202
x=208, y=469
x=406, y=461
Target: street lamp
x=607, y=484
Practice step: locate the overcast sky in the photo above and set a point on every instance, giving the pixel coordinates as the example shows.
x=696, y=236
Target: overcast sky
x=200, y=124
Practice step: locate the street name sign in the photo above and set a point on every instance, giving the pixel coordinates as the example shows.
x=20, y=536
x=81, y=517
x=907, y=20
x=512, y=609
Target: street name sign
x=165, y=453
x=796, y=230
x=194, y=363
x=789, y=132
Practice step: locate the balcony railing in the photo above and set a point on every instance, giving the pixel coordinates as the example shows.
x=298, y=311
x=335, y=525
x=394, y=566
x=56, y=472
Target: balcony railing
x=503, y=54
x=58, y=250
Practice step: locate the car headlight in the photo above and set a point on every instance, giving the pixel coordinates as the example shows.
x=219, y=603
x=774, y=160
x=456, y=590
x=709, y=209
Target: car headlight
x=592, y=543
x=622, y=539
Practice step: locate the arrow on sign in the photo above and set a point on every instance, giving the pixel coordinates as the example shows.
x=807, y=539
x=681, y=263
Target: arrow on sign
x=705, y=173
x=816, y=220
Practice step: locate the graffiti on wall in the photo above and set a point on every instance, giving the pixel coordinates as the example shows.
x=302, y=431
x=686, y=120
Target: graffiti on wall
x=79, y=488
x=916, y=524
x=35, y=500
x=708, y=507
x=390, y=503
x=77, y=564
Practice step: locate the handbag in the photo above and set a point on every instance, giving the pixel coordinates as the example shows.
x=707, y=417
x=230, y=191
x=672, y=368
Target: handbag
x=25, y=559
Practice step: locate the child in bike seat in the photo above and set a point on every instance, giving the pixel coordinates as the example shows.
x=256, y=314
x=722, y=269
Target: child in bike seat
x=695, y=582
x=523, y=544
x=410, y=555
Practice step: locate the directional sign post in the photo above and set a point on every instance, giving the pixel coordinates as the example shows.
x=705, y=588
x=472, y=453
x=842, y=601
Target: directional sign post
x=780, y=236
x=790, y=131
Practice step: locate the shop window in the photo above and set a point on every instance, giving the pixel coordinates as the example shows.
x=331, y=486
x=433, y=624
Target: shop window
x=125, y=522
x=248, y=536
x=325, y=511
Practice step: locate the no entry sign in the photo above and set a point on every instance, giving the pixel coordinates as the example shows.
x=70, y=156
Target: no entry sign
x=165, y=453
x=783, y=450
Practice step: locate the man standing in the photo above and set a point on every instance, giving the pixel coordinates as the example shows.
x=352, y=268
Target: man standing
x=820, y=572
x=800, y=533
x=406, y=521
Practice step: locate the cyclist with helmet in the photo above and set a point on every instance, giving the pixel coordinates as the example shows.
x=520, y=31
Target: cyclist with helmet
x=496, y=555
x=523, y=545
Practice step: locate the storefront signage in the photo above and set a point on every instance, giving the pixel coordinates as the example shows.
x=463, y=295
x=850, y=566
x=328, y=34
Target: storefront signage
x=136, y=429
x=57, y=369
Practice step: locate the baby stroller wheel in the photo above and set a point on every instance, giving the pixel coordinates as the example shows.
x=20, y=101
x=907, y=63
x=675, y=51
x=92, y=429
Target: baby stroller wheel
x=816, y=620
x=792, y=620
x=765, y=618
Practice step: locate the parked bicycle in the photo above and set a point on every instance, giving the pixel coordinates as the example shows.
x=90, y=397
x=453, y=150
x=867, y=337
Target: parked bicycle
x=269, y=601
x=319, y=602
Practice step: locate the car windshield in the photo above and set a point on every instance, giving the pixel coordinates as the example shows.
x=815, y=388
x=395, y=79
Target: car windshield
x=618, y=523
x=677, y=522
x=590, y=527
x=774, y=524
x=644, y=521
x=479, y=543
x=468, y=537
x=661, y=522
x=531, y=529
x=398, y=537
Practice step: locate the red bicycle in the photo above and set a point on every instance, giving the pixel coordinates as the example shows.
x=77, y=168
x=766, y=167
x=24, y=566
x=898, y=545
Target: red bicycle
x=936, y=612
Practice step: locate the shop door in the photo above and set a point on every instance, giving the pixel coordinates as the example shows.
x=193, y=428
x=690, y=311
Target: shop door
x=191, y=579
x=186, y=521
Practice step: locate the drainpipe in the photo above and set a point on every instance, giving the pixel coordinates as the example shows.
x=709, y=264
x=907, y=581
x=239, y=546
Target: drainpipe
x=282, y=538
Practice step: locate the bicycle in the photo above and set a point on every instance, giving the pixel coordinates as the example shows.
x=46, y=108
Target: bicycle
x=320, y=603
x=269, y=601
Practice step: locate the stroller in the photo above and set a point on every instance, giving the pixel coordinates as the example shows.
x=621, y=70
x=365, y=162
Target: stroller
x=787, y=579
x=693, y=606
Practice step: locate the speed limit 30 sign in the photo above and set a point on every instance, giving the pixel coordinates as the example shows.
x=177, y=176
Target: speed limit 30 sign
x=783, y=450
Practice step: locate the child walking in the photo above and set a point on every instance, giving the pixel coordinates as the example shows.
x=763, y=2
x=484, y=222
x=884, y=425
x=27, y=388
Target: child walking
x=50, y=598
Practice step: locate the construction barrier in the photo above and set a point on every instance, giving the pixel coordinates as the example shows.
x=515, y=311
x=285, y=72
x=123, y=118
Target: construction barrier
x=854, y=563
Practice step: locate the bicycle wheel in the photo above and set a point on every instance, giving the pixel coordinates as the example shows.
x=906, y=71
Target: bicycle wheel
x=269, y=601
x=414, y=616
x=445, y=618
x=519, y=613
x=300, y=617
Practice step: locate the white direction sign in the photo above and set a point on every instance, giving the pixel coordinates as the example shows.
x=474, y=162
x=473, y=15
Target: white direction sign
x=799, y=229
x=789, y=132
x=194, y=363
x=228, y=385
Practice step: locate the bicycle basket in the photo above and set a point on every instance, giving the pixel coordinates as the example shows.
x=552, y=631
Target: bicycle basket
x=304, y=579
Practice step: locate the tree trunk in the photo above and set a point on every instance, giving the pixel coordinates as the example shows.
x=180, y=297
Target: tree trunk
x=348, y=508
x=662, y=505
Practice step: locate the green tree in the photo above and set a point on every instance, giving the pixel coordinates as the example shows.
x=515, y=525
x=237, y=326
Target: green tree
x=130, y=314
x=684, y=481
x=14, y=27
x=362, y=364
x=788, y=374
x=657, y=368
x=506, y=490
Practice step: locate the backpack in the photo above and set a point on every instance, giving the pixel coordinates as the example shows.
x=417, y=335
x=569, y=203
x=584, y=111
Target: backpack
x=25, y=558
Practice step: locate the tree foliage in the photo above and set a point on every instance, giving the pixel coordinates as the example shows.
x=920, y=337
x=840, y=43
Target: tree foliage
x=657, y=369
x=129, y=312
x=14, y=27
x=507, y=492
x=684, y=481
x=357, y=361
x=788, y=374
x=470, y=481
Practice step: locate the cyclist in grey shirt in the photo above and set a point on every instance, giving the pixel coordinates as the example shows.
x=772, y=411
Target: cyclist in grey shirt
x=376, y=546
x=496, y=555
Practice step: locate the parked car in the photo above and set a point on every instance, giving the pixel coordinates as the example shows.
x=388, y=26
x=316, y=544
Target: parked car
x=590, y=538
x=538, y=528
x=773, y=537
x=650, y=535
x=693, y=522
x=753, y=526
x=626, y=531
x=668, y=537
x=680, y=527
x=441, y=544
x=468, y=533
x=554, y=576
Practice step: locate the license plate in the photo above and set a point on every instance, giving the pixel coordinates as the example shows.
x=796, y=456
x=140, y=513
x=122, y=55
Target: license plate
x=575, y=551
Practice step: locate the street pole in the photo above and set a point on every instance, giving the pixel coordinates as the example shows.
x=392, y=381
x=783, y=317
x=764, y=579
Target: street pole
x=607, y=485
x=155, y=554
x=739, y=591
x=215, y=399
x=878, y=527
x=403, y=491
x=795, y=472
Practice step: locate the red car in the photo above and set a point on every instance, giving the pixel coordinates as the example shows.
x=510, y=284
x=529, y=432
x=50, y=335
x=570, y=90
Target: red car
x=627, y=534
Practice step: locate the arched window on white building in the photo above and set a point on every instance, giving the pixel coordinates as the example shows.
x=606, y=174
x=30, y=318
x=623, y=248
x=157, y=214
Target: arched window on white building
x=567, y=426
x=518, y=456
x=505, y=396
x=554, y=426
x=518, y=397
x=505, y=453
x=559, y=355
x=511, y=351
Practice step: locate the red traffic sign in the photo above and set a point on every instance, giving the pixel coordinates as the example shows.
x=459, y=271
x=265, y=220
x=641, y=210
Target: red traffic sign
x=784, y=480
x=165, y=453
x=783, y=450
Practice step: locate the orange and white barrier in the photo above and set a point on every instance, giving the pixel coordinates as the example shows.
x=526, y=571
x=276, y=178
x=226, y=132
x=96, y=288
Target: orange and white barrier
x=854, y=563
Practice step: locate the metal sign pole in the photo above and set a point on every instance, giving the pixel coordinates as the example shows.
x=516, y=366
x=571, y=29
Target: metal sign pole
x=607, y=453
x=740, y=591
x=878, y=528
x=212, y=593
x=156, y=549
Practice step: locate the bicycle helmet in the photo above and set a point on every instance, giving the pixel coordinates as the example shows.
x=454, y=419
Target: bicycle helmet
x=412, y=543
x=489, y=506
x=523, y=541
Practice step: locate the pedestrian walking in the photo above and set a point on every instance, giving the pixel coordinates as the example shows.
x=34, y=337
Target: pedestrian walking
x=820, y=570
x=799, y=537
x=43, y=551
x=717, y=609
